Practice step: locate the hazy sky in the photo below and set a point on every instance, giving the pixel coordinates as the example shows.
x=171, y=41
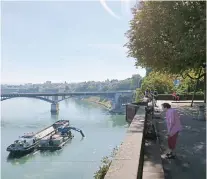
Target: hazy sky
x=69, y=41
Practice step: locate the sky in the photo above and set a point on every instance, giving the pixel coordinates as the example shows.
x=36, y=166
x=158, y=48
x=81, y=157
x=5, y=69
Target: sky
x=71, y=41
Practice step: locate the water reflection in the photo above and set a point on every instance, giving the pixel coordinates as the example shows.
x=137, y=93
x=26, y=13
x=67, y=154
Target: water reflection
x=52, y=152
x=117, y=123
x=21, y=159
x=55, y=117
x=66, y=101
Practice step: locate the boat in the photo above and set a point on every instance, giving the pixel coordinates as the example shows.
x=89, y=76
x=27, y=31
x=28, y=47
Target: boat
x=59, y=139
x=30, y=141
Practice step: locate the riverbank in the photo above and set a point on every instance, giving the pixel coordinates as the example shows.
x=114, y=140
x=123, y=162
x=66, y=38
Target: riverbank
x=105, y=164
x=100, y=101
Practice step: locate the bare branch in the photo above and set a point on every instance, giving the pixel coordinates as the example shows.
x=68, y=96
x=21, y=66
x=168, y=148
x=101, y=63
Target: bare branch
x=199, y=77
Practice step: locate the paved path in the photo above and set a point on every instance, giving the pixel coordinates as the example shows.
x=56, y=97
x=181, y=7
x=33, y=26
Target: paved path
x=191, y=146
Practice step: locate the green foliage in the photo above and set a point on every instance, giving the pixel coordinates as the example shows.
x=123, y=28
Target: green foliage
x=108, y=85
x=188, y=84
x=160, y=82
x=139, y=95
x=168, y=36
x=106, y=162
x=163, y=83
x=100, y=100
x=148, y=70
x=100, y=174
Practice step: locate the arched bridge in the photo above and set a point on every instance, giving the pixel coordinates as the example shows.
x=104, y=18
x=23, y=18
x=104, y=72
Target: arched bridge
x=56, y=96
x=36, y=97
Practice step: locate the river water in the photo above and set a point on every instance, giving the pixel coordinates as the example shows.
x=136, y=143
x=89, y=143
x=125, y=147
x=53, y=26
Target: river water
x=79, y=159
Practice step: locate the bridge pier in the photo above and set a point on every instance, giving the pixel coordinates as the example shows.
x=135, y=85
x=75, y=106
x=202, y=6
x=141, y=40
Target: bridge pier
x=119, y=100
x=54, y=108
x=55, y=98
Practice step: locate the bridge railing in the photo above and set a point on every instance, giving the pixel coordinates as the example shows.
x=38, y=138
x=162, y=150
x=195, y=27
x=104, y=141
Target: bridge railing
x=65, y=93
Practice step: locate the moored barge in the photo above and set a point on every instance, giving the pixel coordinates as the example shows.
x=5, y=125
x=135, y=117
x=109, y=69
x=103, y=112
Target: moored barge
x=30, y=141
x=59, y=139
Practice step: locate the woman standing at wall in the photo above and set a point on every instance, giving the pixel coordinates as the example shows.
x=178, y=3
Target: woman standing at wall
x=173, y=128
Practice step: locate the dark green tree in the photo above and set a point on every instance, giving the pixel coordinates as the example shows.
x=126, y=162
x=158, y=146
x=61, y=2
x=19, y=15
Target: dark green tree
x=162, y=83
x=169, y=36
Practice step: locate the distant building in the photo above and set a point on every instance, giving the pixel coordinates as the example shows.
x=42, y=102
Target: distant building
x=9, y=90
x=48, y=82
x=28, y=84
x=61, y=90
x=29, y=90
x=50, y=90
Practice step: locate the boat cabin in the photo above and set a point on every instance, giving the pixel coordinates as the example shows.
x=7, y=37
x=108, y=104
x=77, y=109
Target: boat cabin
x=24, y=141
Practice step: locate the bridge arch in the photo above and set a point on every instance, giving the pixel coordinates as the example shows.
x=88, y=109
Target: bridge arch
x=34, y=97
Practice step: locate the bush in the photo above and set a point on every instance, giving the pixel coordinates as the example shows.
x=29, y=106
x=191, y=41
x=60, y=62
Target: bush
x=162, y=83
x=182, y=96
x=139, y=95
x=106, y=162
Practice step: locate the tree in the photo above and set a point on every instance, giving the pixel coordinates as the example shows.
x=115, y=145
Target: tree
x=188, y=83
x=162, y=83
x=168, y=36
x=135, y=81
x=148, y=70
x=108, y=85
x=198, y=77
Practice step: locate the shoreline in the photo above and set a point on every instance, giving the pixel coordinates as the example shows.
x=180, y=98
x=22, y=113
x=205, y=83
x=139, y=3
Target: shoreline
x=105, y=106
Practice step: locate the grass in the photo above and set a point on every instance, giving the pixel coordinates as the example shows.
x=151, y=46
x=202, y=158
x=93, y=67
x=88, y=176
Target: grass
x=101, y=101
x=106, y=162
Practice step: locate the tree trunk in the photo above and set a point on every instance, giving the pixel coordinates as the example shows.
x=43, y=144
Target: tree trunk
x=196, y=86
x=205, y=88
x=195, y=89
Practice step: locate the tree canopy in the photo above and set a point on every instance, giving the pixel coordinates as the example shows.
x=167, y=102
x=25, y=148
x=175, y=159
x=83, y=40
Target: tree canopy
x=162, y=83
x=168, y=36
x=108, y=85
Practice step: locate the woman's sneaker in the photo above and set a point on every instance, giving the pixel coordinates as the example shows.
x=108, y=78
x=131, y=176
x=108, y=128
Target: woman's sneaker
x=170, y=155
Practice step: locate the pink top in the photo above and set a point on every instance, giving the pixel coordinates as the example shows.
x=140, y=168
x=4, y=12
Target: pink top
x=173, y=121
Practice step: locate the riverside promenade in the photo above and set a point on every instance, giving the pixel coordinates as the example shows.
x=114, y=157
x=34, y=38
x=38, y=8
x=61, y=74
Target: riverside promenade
x=140, y=157
x=191, y=145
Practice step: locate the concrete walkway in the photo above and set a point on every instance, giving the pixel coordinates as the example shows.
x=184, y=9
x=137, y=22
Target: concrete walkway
x=191, y=145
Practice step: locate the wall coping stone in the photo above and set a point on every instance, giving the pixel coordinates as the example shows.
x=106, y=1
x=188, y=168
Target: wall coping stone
x=126, y=162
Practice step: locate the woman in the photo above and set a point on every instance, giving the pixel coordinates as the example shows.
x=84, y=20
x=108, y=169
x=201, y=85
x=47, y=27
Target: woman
x=173, y=128
x=174, y=95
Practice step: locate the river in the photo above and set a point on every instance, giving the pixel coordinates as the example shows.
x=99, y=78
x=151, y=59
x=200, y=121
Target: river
x=79, y=159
